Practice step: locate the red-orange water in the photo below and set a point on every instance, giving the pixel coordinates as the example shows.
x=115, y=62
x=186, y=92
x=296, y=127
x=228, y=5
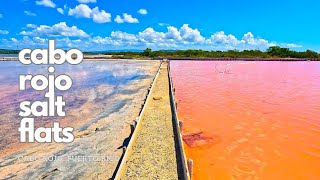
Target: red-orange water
x=260, y=120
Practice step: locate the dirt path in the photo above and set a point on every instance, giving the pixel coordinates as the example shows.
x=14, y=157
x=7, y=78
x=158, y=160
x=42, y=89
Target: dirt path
x=153, y=155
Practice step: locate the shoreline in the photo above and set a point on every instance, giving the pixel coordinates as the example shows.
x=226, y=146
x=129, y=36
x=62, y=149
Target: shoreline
x=108, y=58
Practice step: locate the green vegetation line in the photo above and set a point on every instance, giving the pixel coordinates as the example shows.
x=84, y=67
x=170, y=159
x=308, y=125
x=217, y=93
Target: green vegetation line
x=271, y=52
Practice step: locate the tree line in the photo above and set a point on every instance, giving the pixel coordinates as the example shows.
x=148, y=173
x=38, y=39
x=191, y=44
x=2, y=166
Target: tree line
x=7, y=51
x=271, y=52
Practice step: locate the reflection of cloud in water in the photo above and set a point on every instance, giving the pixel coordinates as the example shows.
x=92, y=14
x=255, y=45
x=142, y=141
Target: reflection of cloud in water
x=78, y=75
x=118, y=70
x=99, y=90
x=92, y=95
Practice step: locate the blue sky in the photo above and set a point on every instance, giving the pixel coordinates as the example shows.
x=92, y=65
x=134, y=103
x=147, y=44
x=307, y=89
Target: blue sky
x=165, y=24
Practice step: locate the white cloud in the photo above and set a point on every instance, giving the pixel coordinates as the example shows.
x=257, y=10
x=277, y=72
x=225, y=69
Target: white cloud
x=28, y=13
x=151, y=38
x=46, y=3
x=184, y=37
x=60, y=29
x=100, y=16
x=87, y=1
x=126, y=18
x=24, y=42
x=118, y=19
x=249, y=39
x=143, y=11
x=129, y=19
x=39, y=40
x=31, y=26
x=290, y=45
x=149, y=35
x=222, y=38
x=4, y=32
x=163, y=24
x=191, y=35
x=60, y=10
x=14, y=40
x=173, y=33
x=118, y=37
x=82, y=10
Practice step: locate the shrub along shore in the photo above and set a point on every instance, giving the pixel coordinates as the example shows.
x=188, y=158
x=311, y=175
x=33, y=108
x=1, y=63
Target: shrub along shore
x=272, y=53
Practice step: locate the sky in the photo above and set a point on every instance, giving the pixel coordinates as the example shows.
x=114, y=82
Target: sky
x=98, y=25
